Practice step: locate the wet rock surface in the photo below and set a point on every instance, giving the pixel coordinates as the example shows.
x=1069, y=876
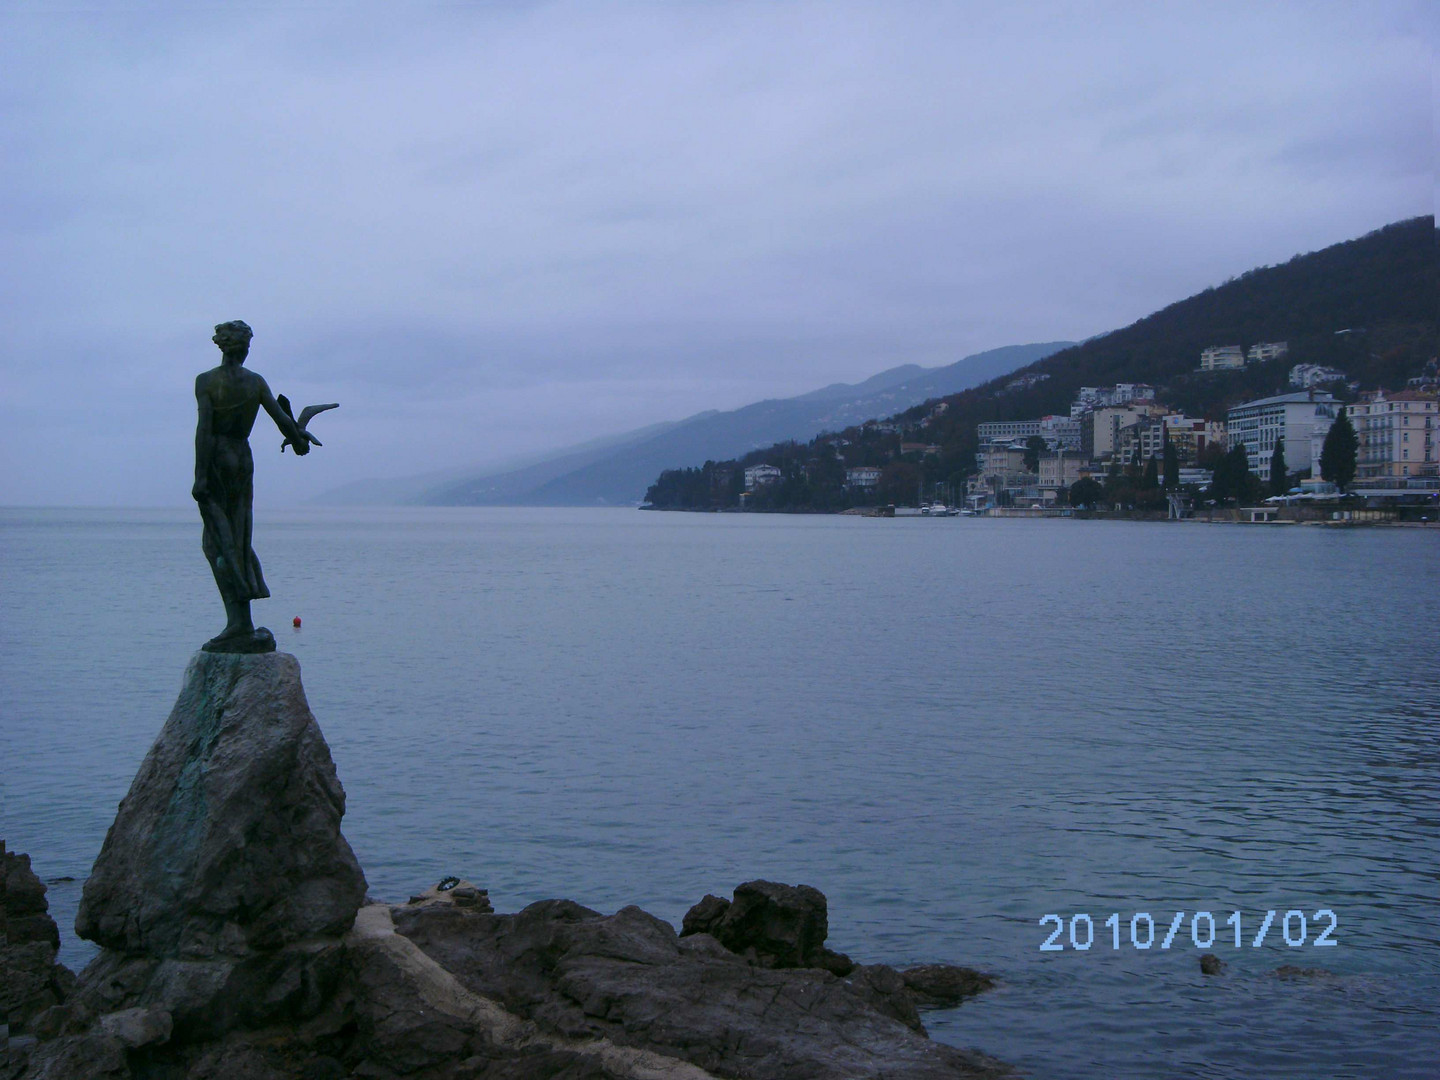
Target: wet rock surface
x=30, y=980
x=444, y=991
x=942, y=986
x=770, y=924
x=630, y=979
x=229, y=839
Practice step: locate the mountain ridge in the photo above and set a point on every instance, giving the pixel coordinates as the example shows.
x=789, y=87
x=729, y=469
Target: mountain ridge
x=620, y=476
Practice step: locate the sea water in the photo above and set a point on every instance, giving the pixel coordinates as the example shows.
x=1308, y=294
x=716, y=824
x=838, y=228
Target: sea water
x=954, y=728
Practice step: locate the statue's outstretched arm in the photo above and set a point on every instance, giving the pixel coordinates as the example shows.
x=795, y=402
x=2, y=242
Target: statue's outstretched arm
x=288, y=427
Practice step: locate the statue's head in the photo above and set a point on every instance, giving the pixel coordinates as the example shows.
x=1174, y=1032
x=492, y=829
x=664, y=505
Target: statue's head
x=232, y=335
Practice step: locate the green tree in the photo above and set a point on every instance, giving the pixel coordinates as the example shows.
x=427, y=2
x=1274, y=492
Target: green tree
x=1210, y=456
x=1086, y=492
x=1337, y=456
x=1172, y=466
x=1152, y=474
x=899, y=484
x=1233, y=478
x=1150, y=499
x=1034, y=447
x=1279, y=474
x=1119, y=488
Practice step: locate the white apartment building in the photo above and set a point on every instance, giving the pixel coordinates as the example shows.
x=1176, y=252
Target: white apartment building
x=862, y=476
x=1057, y=431
x=1100, y=428
x=1126, y=392
x=1001, y=458
x=1059, y=468
x=1308, y=375
x=1096, y=397
x=759, y=475
x=1267, y=350
x=1301, y=419
x=1142, y=440
x=1060, y=432
x=1399, y=434
x=1190, y=437
x=1007, y=430
x=1222, y=358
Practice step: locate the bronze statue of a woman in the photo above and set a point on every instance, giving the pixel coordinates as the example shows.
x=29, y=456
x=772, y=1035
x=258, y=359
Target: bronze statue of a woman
x=229, y=397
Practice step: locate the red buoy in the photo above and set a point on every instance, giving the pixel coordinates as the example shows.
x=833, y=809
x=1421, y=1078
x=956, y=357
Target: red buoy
x=295, y=622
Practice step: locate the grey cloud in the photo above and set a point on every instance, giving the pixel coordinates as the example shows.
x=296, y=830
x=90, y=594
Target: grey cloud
x=492, y=229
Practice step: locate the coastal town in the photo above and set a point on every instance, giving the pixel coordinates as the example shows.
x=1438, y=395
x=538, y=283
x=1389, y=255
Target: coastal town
x=1307, y=390
x=1123, y=428
x=1123, y=449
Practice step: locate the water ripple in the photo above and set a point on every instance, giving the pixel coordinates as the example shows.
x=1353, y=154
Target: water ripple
x=953, y=728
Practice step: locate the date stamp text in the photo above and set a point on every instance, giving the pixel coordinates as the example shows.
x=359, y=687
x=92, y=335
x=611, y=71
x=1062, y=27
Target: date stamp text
x=1200, y=929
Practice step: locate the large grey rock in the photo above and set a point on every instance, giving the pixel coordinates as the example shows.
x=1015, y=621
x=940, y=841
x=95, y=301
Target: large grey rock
x=208, y=998
x=942, y=986
x=414, y=1018
x=628, y=980
x=770, y=924
x=30, y=979
x=138, y=1027
x=24, y=911
x=93, y=1056
x=229, y=840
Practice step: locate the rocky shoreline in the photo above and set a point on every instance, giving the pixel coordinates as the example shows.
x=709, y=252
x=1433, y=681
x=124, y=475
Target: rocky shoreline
x=238, y=942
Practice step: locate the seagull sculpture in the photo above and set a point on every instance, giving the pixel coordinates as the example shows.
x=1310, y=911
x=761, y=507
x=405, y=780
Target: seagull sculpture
x=304, y=418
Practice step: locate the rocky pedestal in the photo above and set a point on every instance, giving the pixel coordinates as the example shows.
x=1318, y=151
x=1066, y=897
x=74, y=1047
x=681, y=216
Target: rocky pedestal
x=224, y=887
x=229, y=840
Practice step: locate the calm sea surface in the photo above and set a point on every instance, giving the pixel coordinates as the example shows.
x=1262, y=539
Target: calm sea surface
x=953, y=728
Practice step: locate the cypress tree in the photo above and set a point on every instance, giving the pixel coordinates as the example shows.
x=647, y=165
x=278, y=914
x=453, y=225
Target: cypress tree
x=1172, y=466
x=1233, y=478
x=1034, y=447
x=1152, y=473
x=1337, y=456
x=1279, y=474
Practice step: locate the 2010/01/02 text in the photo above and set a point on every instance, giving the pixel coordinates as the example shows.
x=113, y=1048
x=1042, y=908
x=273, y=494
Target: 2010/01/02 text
x=1294, y=929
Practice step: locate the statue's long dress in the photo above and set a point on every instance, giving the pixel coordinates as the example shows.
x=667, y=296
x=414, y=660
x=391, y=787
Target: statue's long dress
x=227, y=513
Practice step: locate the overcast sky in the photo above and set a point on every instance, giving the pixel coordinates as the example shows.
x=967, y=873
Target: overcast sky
x=492, y=229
